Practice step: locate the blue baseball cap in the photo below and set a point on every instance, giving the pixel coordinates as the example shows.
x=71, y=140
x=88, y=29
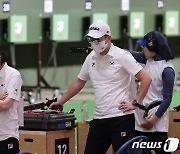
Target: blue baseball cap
x=142, y=41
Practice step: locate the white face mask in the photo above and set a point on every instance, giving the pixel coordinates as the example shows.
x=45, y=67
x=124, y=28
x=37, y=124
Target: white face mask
x=100, y=47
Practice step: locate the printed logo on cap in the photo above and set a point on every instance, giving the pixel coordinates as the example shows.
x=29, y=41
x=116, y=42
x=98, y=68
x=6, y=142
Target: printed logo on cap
x=94, y=28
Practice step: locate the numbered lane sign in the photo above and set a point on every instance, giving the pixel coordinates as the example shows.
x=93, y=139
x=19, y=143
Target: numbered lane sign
x=172, y=23
x=62, y=146
x=59, y=27
x=18, y=29
x=136, y=24
x=100, y=17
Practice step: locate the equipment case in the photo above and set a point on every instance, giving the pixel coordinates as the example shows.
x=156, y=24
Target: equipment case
x=48, y=121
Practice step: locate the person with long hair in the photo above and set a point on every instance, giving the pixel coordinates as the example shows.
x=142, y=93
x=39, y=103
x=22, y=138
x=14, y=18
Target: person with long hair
x=151, y=115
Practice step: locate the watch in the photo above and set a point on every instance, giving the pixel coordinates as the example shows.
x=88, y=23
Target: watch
x=135, y=103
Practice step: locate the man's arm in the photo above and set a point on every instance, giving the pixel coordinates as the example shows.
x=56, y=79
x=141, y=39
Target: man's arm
x=6, y=104
x=3, y=97
x=145, y=81
x=75, y=87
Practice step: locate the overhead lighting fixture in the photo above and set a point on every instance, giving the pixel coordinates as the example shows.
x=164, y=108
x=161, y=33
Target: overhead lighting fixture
x=160, y=4
x=125, y=5
x=6, y=7
x=48, y=6
x=88, y=5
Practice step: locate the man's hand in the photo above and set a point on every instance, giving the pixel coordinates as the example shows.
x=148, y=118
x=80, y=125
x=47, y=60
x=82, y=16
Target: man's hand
x=3, y=97
x=150, y=122
x=126, y=106
x=56, y=106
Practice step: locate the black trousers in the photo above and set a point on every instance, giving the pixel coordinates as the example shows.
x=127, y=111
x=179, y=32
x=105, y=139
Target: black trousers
x=104, y=132
x=9, y=146
x=155, y=137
